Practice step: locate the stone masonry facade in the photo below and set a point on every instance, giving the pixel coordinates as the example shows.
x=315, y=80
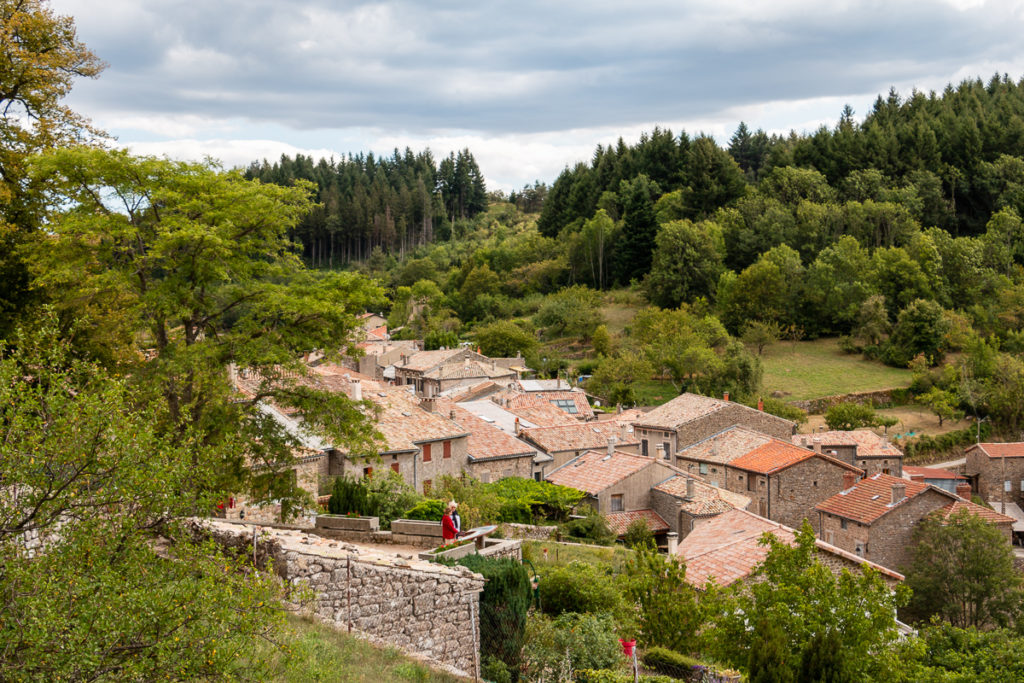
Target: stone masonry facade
x=423, y=608
x=988, y=476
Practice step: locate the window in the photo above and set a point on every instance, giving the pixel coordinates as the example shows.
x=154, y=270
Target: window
x=485, y=477
x=1006, y=486
x=861, y=549
x=536, y=476
x=426, y=452
x=751, y=483
x=505, y=474
x=703, y=468
x=394, y=467
x=428, y=486
x=643, y=447
x=367, y=472
x=447, y=449
x=566, y=404
x=617, y=505
x=842, y=523
x=668, y=450
x=1022, y=484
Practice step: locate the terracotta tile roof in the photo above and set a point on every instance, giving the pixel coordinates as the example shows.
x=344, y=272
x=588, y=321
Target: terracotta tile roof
x=594, y=471
x=468, y=370
x=471, y=393
x=486, y=441
x=575, y=401
x=619, y=521
x=422, y=361
x=915, y=473
x=987, y=514
x=707, y=500
x=868, y=443
x=686, y=408
x=1001, y=450
x=871, y=498
x=753, y=451
x=543, y=414
x=727, y=548
x=405, y=425
x=577, y=436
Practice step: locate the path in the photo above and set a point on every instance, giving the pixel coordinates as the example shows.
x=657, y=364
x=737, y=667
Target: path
x=949, y=464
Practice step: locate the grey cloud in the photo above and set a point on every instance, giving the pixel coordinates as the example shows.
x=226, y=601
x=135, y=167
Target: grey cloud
x=516, y=67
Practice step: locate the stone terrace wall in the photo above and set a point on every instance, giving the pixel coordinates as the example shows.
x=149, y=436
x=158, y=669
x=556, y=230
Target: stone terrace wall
x=816, y=406
x=529, y=532
x=425, y=608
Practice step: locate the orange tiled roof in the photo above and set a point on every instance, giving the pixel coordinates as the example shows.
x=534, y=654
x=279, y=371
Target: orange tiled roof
x=686, y=408
x=578, y=398
x=543, y=414
x=727, y=548
x=594, y=471
x=871, y=498
x=753, y=451
x=868, y=443
x=577, y=436
x=915, y=473
x=619, y=521
x=485, y=440
x=987, y=514
x=467, y=370
x=1001, y=450
x=707, y=500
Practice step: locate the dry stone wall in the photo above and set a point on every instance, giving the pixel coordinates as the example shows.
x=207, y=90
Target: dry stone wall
x=424, y=608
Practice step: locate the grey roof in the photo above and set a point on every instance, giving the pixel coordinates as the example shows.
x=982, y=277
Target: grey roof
x=490, y=411
x=531, y=385
x=296, y=428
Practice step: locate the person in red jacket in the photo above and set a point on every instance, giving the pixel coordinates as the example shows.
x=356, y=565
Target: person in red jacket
x=448, y=530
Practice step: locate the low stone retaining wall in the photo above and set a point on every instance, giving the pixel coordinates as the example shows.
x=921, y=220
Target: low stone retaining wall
x=422, y=607
x=816, y=406
x=529, y=532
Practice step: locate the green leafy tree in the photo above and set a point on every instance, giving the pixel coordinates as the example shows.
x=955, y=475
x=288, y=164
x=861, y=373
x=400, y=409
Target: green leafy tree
x=669, y=614
x=873, y=320
x=639, y=228
x=770, y=659
x=848, y=416
x=578, y=587
x=687, y=262
x=794, y=591
x=638, y=534
x=941, y=402
x=760, y=333
x=571, y=312
x=190, y=270
x=602, y=341
x=100, y=579
x=614, y=377
x=504, y=338
x=963, y=572
x=920, y=329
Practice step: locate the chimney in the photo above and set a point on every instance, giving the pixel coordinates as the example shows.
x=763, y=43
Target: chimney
x=405, y=359
x=451, y=415
x=494, y=364
x=963, y=489
x=690, y=487
x=760, y=404
x=618, y=409
x=517, y=426
x=725, y=396
x=659, y=451
x=898, y=493
x=803, y=441
x=624, y=432
x=673, y=542
x=427, y=404
x=817, y=445
x=885, y=439
x=849, y=480
x=611, y=445
x=357, y=390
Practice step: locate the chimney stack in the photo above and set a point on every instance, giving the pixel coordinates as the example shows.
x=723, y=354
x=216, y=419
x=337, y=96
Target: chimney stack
x=659, y=451
x=618, y=409
x=760, y=404
x=517, y=426
x=725, y=396
x=673, y=543
x=611, y=445
x=849, y=480
x=803, y=441
x=427, y=404
x=690, y=486
x=963, y=489
x=624, y=432
x=898, y=493
x=451, y=415
x=357, y=390
x=817, y=445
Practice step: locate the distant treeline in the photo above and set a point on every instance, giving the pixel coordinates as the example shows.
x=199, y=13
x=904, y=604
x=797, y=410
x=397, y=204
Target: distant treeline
x=396, y=203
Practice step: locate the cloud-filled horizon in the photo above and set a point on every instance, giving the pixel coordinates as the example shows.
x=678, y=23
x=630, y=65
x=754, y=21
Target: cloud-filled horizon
x=529, y=87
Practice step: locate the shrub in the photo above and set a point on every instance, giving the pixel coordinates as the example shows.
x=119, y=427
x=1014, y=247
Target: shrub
x=668, y=662
x=608, y=676
x=638, y=534
x=578, y=587
x=593, y=528
x=849, y=416
x=348, y=495
x=503, y=607
x=554, y=647
x=431, y=510
x=495, y=670
x=389, y=496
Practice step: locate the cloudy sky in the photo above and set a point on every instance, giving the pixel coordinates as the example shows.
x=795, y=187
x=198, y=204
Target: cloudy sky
x=528, y=86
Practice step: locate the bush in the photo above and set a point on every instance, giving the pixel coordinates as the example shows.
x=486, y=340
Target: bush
x=495, y=670
x=847, y=416
x=503, y=607
x=430, y=510
x=578, y=587
x=347, y=496
x=669, y=662
x=593, y=529
x=638, y=534
x=609, y=676
x=554, y=647
x=389, y=496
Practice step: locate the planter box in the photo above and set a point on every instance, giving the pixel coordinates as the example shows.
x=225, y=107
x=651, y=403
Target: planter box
x=416, y=527
x=452, y=554
x=343, y=523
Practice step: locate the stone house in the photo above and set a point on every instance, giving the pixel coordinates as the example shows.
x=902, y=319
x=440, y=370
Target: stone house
x=435, y=372
x=561, y=394
x=377, y=355
x=614, y=481
x=783, y=481
x=875, y=517
x=689, y=418
x=687, y=501
x=727, y=549
x=996, y=471
x=568, y=441
x=492, y=454
x=862, y=448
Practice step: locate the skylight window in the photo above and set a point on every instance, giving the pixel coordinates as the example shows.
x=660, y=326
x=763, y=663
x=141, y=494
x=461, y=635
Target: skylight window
x=566, y=404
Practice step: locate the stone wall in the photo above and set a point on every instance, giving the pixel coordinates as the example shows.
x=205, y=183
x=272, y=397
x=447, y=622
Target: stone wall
x=424, y=608
x=530, y=532
x=816, y=406
x=501, y=468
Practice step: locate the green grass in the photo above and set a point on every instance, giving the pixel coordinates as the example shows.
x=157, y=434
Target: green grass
x=321, y=654
x=560, y=554
x=653, y=392
x=812, y=369
x=619, y=307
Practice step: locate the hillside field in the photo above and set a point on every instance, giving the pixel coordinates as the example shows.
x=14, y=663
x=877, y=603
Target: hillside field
x=812, y=369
